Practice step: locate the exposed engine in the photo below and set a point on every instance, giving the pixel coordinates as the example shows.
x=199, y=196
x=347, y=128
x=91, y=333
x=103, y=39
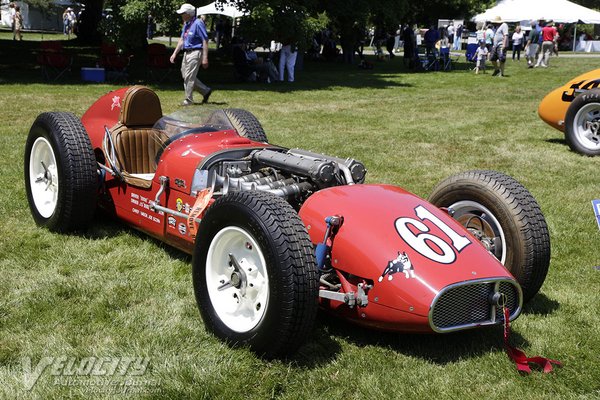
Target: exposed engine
x=293, y=174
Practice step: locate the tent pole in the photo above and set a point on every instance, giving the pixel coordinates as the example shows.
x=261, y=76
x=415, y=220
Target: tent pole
x=574, y=37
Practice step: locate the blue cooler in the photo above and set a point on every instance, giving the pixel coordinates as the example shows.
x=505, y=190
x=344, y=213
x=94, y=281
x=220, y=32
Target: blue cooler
x=93, y=74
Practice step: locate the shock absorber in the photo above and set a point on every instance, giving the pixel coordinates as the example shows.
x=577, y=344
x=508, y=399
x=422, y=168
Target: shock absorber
x=323, y=249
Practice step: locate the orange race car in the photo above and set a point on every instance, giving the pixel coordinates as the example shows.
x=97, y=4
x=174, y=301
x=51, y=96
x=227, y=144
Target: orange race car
x=574, y=108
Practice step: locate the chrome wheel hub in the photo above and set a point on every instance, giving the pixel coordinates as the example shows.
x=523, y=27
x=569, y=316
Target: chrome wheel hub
x=482, y=224
x=586, y=126
x=237, y=280
x=43, y=177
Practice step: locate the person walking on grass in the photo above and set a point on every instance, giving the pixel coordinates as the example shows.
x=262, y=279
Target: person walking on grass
x=498, y=53
x=517, y=42
x=18, y=24
x=531, y=48
x=194, y=44
x=489, y=37
x=287, y=60
x=11, y=14
x=549, y=37
x=481, y=55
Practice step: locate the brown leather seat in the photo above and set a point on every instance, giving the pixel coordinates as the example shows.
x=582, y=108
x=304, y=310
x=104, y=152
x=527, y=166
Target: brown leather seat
x=136, y=142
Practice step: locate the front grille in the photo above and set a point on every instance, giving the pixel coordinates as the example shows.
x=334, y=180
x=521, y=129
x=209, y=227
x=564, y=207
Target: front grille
x=467, y=304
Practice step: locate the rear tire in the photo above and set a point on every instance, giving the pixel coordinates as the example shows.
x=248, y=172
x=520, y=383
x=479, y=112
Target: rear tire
x=61, y=176
x=246, y=124
x=270, y=304
x=507, y=218
x=582, y=123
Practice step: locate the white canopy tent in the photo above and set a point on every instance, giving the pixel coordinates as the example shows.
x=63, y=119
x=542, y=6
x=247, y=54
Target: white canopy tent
x=527, y=10
x=556, y=10
x=228, y=10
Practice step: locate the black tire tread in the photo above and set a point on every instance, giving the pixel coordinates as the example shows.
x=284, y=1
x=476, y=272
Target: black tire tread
x=525, y=212
x=297, y=272
x=591, y=96
x=77, y=170
x=246, y=124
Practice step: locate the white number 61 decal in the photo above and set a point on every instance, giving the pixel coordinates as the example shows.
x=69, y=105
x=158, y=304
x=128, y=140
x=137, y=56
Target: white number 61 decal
x=423, y=240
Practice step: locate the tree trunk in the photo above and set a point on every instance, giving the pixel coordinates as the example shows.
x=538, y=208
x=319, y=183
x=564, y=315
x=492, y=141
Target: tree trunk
x=90, y=18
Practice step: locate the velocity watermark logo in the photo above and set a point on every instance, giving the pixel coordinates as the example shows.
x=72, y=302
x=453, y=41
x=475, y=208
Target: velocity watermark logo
x=91, y=374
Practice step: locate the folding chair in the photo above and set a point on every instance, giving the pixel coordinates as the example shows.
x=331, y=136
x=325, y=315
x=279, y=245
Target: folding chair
x=159, y=65
x=470, y=52
x=114, y=62
x=53, y=59
x=429, y=61
x=445, y=59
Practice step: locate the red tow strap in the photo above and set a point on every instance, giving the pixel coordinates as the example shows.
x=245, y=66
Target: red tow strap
x=519, y=357
x=202, y=201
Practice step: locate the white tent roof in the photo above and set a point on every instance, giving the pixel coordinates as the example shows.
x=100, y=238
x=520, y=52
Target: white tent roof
x=557, y=10
x=228, y=10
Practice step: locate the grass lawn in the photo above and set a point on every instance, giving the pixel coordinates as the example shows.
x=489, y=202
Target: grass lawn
x=113, y=292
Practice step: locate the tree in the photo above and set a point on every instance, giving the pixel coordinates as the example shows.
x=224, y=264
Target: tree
x=350, y=17
x=281, y=20
x=595, y=4
x=90, y=20
x=432, y=10
x=127, y=25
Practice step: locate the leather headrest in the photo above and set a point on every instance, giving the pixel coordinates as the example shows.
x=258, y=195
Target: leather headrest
x=141, y=107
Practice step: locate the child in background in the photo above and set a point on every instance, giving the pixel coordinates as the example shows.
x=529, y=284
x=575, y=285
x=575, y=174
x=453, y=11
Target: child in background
x=481, y=56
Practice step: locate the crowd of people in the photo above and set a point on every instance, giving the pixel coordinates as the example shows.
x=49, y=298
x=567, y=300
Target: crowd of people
x=70, y=21
x=538, y=41
x=539, y=44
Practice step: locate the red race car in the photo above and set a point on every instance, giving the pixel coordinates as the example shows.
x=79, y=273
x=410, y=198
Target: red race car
x=276, y=233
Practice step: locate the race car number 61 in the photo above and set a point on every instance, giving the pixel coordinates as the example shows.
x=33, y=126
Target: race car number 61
x=422, y=241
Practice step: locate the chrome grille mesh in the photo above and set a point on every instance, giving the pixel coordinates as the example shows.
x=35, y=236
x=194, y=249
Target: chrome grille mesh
x=512, y=298
x=467, y=304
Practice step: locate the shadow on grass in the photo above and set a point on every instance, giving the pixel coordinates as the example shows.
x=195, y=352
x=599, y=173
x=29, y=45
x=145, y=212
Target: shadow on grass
x=106, y=226
x=560, y=141
x=323, y=346
x=541, y=305
x=436, y=348
x=18, y=64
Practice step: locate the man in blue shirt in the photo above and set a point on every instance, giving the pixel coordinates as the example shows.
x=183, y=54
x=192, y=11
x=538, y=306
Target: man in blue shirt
x=431, y=37
x=194, y=44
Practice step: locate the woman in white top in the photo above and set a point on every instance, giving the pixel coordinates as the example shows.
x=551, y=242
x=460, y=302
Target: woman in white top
x=517, y=42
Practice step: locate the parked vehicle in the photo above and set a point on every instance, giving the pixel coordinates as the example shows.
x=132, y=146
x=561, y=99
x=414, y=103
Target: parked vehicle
x=574, y=109
x=276, y=232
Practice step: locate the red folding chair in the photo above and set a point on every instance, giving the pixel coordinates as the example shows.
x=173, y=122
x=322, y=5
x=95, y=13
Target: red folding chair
x=53, y=60
x=113, y=62
x=159, y=65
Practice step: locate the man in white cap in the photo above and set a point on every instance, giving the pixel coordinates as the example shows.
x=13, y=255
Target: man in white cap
x=498, y=53
x=194, y=44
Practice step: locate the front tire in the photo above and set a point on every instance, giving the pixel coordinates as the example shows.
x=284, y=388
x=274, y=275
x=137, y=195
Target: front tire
x=254, y=273
x=582, y=124
x=60, y=172
x=505, y=217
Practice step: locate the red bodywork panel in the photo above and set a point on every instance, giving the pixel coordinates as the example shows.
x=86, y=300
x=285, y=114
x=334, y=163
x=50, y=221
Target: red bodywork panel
x=178, y=162
x=103, y=113
x=369, y=239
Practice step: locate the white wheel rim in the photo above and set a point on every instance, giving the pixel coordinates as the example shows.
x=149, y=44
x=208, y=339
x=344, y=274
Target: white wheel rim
x=239, y=308
x=471, y=207
x=586, y=126
x=43, y=177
